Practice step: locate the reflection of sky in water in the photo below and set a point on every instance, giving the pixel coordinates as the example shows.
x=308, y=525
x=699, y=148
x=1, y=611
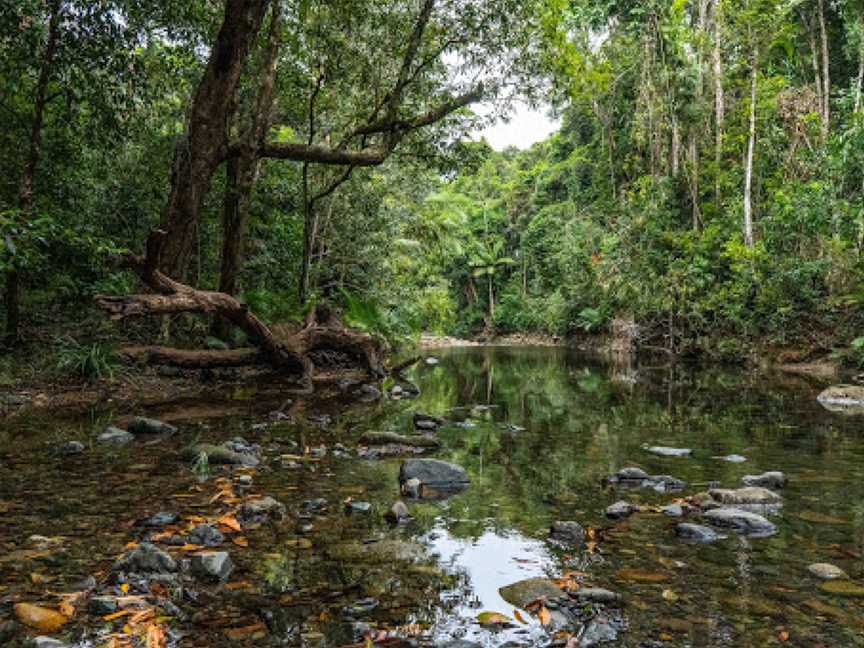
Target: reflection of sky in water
x=488, y=563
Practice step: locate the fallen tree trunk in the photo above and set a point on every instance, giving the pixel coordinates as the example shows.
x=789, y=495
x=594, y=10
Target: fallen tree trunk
x=314, y=346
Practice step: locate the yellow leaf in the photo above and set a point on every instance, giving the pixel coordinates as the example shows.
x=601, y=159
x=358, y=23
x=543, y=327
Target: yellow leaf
x=155, y=636
x=492, y=618
x=116, y=615
x=519, y=617
x=40, y=618
x=300, y=543
x=240, y=541
x=124, y=588
x=190, y=547
x=67, y=609
x=669, y=595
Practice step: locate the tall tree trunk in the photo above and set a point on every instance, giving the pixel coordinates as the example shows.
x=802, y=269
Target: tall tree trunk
x=826, y=76
x=860, y=78
x=751, y=144
x=206, y=141
x=12, y=300
x=719, y=102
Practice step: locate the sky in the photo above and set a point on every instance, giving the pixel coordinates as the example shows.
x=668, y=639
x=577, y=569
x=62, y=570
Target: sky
x=526, y=126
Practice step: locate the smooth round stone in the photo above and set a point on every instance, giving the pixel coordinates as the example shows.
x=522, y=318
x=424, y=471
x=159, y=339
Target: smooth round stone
x=826, y=571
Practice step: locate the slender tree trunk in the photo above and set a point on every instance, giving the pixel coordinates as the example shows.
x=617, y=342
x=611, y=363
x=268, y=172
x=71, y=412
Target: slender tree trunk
x=12, y=300
x=205, y=144
x=860, y=79
x=676, y=146
x=826, y=76
x=491, y=302
x=719, y=102
x=751, y=144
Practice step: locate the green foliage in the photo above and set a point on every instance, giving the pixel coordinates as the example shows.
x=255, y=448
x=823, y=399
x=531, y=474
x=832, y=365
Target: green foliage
x=91, y=362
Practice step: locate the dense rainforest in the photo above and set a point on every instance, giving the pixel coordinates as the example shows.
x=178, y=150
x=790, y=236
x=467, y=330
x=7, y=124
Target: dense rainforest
x=250, y=160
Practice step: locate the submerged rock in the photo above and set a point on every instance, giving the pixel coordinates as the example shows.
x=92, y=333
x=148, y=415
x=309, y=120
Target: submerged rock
x=361, y=607
x=523, y=592
x=398, y=512
x=354, y=507
x=212, y=565
x=115, y=436
x=740, y=521
x=434, y=474
x=770, y=479
x=826, y=571
x=595, y=595
x=387, y=438
x=732, y=458
x=206, y=535
x=161, y=519
x=261, y=509
x=568, y=532
x=68, y=449
x=142, y=425
x=697, y=533
x=842, y=398
x=636, y=477
x=102, y=605
x=631, y=474
x=146, y=558
x=598, y=631
x=221, y=455
x=380, y=552
x=665, y=451
x=673, y=510
x=746, y=495
x=621, y=509
x=367, y=393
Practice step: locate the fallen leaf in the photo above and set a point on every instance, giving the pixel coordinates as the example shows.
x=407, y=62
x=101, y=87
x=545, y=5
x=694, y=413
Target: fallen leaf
x=669, y=595
x=240, y=541
x=783, y=635
x=641, y=576
x=40, y=579
x=190, y=547
x=231, y=522
x=238, y=585
x=155, y=636
x=519, y=617
x=300, y=543
x=492, y=618
x=544, y=616
x=116, y=615
x=238, y=634
x=40, y=618
x=66, y=609
x=124, y=588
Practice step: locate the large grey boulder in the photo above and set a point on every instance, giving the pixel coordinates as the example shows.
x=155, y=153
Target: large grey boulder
x=434, y=474
x=567, y=532
x=740, y=521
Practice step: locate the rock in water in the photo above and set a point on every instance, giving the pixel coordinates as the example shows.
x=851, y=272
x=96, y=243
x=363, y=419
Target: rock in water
x=631, y=474
x=355, y=507
x=146, y=558
x=743, y=522
x=259, y=510
x=102, y=605
x=523, y=592
x=434, y=474
x=771, y=479
x=115, y=436
x=621, y=509
x=205, y=535
x=161, y=519
x=595, y=595
x=68, y=449
x=568, y=532
x=697, y=533
x=673, y=510
x=826, y=571
x=212, y=565
x=398, y=512
x=747, y=495
x=48, y=642
x=665, y=451
x=842, y=398
x=221, y=455
x=732, y=458
x=142, y=425
x=598, y=631
x=412, y=440
x=427, y=421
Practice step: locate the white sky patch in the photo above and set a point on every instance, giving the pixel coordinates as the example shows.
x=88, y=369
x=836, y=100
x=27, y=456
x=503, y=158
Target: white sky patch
x=526, y=126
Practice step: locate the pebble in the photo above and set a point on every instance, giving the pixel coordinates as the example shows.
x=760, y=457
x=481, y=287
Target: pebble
x=102, y=605
x=743, y=522
x=354, y=507
x=115, y=436
x=69, y=448
x=826, y=571
x=360, y=608
x=665, y=451
x=142, y=425
x=48, y=642
x=259, y=510
x=161, y=519
x=733, y=458
x=146, y=558
x=673, y=510
x=697, y=533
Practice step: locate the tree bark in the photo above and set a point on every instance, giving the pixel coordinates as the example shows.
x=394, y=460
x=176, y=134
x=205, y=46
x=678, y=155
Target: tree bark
x=205, y=144
x=751, y=144
x=12, y=298
x=826, y=76
x=860, y=79
x=719, y=105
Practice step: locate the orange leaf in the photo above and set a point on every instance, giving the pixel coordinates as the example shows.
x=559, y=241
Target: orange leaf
x=116, y=615
x=519, y=617
x=155, y=636
x=231, y=522
x=240, y=541
x=190, y=547
x=237, y=634
x=124, y=588
x=545, y=616
x=783, y=635
x=67, y=609
x=238, y=585
x=40, y=618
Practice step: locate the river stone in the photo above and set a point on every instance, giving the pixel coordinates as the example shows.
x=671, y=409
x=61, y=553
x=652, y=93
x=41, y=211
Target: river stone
x=697, y=533
x=102, y=605
x=398, y=512
x=434, y=473
x=48, y=642
x=411, y=488
x=212, y=565
x=142, y=425
x=826, y=571
x=568, y=532
x=733, y=458
x=673, y=510
x=770, y=479
x=258, y=510
x=412, y=440
x=381, y=552
x=746, y=495
x=665, y=451
x=431, y=422
x=842, y=397
x=598, y=631
x=146, y=558
x=161, y=519
x=621, y=509
x=368, y=393
x=115, y=436
x=595, y=595
x=221, y=455
x=744, y=522
x=523, y=592
x=360, y=608
x=631, y=474
x=205, y=535
x=664, y=483
x=68, y=449
x=355, y=507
